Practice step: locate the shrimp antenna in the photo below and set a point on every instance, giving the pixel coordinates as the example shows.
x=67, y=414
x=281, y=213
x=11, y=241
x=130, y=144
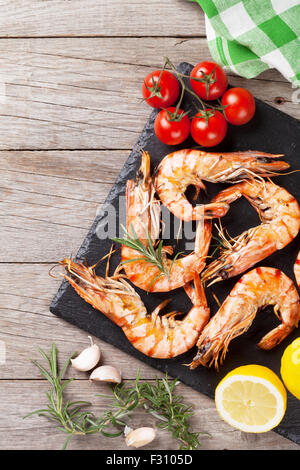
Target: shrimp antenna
x=216, y=299
x=225, y=242
x=51, y=269
x=108, y=285
x=179, y=230
x=288, y=173
x=55, y=266
x=139, y=149
x=108, y=255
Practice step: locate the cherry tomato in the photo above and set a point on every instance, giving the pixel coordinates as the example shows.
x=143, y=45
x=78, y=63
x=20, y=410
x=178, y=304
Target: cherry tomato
x=171, y=132
x=214, y=82
x=160, y=89
x=209, y=131
x=240, y=106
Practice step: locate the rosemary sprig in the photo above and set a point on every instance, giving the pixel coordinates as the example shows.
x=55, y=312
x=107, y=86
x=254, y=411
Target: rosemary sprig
x=158, y=399
x=150, y=253
x=70, y=416
x=161, y=401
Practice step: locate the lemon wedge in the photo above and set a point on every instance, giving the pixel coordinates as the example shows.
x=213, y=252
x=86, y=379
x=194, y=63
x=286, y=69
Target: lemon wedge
x=290, y=368
x=251, y=398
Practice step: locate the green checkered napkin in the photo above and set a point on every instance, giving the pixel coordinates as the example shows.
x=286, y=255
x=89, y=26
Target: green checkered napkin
x=250, y=36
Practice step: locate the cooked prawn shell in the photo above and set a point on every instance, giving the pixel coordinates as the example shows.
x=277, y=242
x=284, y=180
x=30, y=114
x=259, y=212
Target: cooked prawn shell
x=143, y=213
x=160, y=336
x=297, y=269
x=254, y=291
x=187, y=167
x=280, y=223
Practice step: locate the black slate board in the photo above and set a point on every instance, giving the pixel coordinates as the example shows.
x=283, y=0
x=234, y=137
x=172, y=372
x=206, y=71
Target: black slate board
x=270, y=131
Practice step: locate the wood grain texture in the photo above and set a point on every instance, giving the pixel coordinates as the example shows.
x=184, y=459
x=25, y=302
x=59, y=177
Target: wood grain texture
x=85, y=93
x=16, y=401
x=29, y=18
x=48, y=200
x=70, y=111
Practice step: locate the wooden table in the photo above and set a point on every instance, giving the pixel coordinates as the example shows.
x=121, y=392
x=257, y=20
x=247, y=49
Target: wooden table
x=70, y=111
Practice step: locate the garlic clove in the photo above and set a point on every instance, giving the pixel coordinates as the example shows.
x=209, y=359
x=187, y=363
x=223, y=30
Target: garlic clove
x=106, y=374
x=140, y=437
x=88, y=358
x=127, y=430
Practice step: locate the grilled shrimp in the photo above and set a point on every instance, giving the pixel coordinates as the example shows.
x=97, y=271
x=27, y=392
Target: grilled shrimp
x=142, y=208
x=142, y=216
x=297, y=269
x=255, y=290
x=180, y=169
x=154, y=335
x=280, y=216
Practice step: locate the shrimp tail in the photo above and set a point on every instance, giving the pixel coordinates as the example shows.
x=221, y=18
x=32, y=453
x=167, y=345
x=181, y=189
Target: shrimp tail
x=275, y=336
x=196, y=293
x=211, y=211
x=200, y=297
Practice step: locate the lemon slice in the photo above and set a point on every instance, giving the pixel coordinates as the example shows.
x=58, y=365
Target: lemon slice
x=251, y=398
x=290, y=368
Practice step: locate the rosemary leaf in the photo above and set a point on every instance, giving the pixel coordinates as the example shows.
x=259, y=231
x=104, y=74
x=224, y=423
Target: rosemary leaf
x=157, y=399
x=150, y=254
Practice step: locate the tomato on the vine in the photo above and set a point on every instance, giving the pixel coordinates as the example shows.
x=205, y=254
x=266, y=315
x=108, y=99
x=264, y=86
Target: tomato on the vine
x=172, y=128
x=239, y=106
x=211, y=80
x=208, y=128
x=160, y=89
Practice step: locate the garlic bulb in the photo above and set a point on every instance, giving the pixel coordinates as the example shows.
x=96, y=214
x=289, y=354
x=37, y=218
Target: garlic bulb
x=106, y=374
x=140, y=437
x=88, y=358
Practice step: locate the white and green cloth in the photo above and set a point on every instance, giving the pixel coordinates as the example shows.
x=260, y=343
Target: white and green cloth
x=250, y=36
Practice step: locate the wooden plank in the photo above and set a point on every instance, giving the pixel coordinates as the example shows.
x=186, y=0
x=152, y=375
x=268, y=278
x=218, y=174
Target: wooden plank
x=17, y=398
x=26, y=324
x=100, y=167
x=143, y=51
x=70, y=93
x=30, y=18
x=23, y=332
x=48, y=200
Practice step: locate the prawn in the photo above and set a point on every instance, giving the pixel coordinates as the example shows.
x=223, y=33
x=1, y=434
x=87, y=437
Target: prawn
x=143, y=222
x=187, y=167
x=255, y=290
x=280, y=216
x=154, y=335
x=297, y=269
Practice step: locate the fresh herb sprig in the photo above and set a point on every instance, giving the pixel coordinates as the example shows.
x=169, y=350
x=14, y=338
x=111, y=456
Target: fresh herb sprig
x=70, y=416
x=150, y=253
x=159, y=399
